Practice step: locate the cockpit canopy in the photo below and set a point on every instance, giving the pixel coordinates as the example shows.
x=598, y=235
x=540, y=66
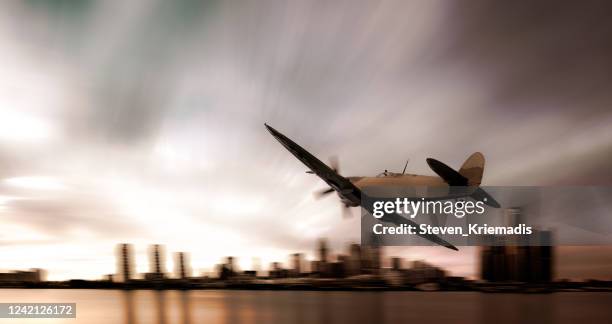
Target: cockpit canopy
x=388, y=174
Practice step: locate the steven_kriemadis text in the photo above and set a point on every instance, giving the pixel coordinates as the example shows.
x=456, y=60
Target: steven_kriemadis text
x=472, y=229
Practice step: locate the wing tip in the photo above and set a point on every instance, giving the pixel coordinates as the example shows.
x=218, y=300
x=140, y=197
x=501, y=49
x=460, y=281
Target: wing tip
x=272, y=131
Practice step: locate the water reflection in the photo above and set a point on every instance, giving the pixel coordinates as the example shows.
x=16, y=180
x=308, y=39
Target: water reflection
x=160, y=305
x=185, y=299
x=528, y=308
x=135, y=306
x=251, y=307
x=129, y=309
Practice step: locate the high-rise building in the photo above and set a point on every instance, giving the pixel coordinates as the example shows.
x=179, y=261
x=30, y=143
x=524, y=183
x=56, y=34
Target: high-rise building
x=125, y=262
x=296, y=258
x=315, y=267
x=354, y=260
x=182, y=266
x=323, y=265
x=157, y=262
x=396, y=263
x=546, y=256
x=323, y=250
x=342, y=265
x=277, y=271
x=231, y=264
x=370, y=259
x=527, y=259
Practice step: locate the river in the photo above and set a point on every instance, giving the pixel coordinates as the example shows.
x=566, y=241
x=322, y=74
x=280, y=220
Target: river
x=286, y=307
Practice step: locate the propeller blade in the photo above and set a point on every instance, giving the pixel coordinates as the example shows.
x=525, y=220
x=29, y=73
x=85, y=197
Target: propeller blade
x=322, y=193
x=333, y=163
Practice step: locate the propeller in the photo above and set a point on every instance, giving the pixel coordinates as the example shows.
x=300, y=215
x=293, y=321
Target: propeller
x=334, y=165
x=322, y=193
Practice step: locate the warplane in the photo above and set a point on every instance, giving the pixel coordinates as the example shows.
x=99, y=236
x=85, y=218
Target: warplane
x=349, y=189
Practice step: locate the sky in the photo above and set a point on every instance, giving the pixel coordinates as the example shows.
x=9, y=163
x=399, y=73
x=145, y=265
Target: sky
x=142, y=121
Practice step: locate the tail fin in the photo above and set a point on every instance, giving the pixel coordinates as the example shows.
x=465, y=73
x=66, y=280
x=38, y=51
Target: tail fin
x=470, y=175
x=473, y=168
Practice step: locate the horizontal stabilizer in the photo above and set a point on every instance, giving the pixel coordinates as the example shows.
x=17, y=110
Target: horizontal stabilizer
x=452, y=177
x=474, y=164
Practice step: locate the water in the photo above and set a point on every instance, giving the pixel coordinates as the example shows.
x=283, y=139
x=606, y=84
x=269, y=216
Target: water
x=231, y=306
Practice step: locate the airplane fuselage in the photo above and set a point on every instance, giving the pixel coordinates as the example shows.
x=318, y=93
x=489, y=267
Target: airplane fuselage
x=389, y=179
x=409, y=180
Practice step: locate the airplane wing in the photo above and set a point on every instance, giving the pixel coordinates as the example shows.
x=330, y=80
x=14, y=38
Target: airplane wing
x=339, y=183
x=342, y=185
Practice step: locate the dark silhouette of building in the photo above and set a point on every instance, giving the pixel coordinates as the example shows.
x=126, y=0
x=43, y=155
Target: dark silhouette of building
x=296, y=258
x=223, y=272
x=371, y=255
x=523, y=259
x=156, y=264
x=315, y=267
x=182, y=266
x=323, y=250
x=341, y=266
x=228, y=269
x=354, y=260
x=31, y=276
x=322, y=267
x=277, y=271
x=231, y=265
x=125, y=256
x=423, y=272
x=337, y=270
x=396, y=263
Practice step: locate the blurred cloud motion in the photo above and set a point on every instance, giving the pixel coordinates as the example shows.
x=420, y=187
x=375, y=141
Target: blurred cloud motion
x=142, y=121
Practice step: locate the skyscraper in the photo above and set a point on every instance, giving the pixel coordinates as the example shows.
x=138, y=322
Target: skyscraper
x=182, y=266
x=323, y=250
x=370, y=259
x=231, y=266
x=156, y=263
x=354, y=260
x=323, y=267
x=125, y=262
x=296, y=258
x=396, y=263
x=524, y=259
